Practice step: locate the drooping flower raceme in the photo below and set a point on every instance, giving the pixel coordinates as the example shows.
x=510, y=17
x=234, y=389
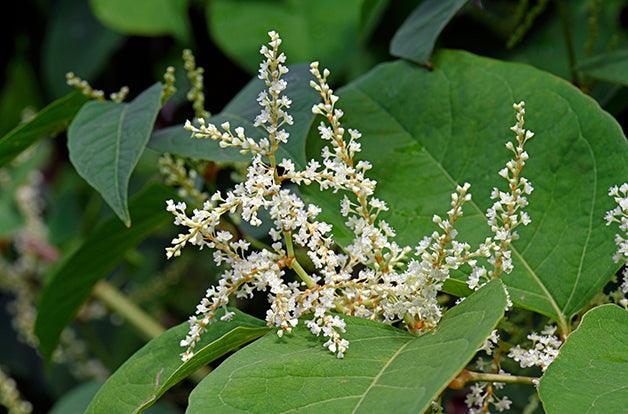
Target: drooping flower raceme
x=372, y=277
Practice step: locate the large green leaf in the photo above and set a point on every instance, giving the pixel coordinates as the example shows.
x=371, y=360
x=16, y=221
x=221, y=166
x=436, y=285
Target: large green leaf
x=49, y=121
x=610, y=66
x=590, y=374
x=70, y=285
x=416, y=37
x=444, y=127
x=107, y=139
x=241, y=111
x=145, y=17
x=325, y=30
x=157, y=367
x=385, y=369
x=75, y=41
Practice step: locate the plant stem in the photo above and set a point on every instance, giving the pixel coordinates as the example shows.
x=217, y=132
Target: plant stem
x=472, y=376
x=296, y=266
x=510, y=379
x=289, y=245
x=123, y=306
x=563, y=10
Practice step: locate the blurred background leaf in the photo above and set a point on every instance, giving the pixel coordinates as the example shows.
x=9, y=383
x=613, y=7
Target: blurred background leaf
x=75, y=42
x=144, y=17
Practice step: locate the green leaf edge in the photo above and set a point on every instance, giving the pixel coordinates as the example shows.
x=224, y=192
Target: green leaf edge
x=575, y=332
x=495, y=284
x=52, y=128
x=47, y=343
x=121, y=208
x=252, y=327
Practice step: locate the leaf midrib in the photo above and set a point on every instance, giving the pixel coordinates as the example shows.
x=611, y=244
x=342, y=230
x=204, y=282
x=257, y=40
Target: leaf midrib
x=535, y=277
x=379, y=374
x=117, y=155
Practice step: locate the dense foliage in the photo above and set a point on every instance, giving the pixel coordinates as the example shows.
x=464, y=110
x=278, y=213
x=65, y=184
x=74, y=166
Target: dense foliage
x=334, y=190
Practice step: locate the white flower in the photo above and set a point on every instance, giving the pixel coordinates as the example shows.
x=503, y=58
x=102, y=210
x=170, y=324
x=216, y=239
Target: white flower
x=373, y=277
x=543, y=351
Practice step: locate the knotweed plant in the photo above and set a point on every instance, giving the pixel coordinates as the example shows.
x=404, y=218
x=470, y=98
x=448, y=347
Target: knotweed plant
x=372, y=277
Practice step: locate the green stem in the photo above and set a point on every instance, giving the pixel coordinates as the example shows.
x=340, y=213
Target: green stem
x=471, y=376
x=123, y=306
x=289, y=245
x=296, y=266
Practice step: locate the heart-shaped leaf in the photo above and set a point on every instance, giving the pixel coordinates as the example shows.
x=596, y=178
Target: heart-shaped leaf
x=241, y=111
x=107, y=139
x=448, y=126
x=157, y=367
x=590, y=374
x=70, y=285
x=385, y=369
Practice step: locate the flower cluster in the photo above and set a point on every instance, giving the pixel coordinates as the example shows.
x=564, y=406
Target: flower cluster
x=544, y=349
x=10, y=396
x=482, y=396
x=195, y=75
x=620, y=215
x=22, y=279
x=177, y=175
x=506, y=213
x=372, y=277
x=86, y=89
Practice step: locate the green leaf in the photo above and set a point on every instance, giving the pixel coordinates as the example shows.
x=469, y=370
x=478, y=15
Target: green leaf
x=70, y=285
x=590, y=373
x=322, y=30
x=49, y=121
x=544, y=46
x=385, y=369
x=241, y=111
x=157, y=367
x=75, y=41
x=611, y=66
x=448, y=126
x=107, y=139
x=416, y=37
x=145, y=17
x=77, y=399
x=20, y=93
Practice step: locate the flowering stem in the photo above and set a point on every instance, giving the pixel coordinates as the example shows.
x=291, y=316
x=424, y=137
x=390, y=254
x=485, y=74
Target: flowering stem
x=296, y=266
x=294, y=263
x=510, y=379
x=471, y=376
x=123, y=306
